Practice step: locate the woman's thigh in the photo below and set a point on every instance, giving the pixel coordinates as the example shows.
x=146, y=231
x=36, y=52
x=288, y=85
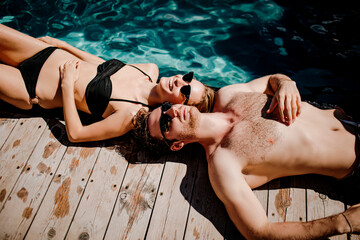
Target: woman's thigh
x=12, y=87
x=16, y=46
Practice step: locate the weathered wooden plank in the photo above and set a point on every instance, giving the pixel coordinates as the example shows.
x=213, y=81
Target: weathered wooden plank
x=97, y=203
x=297, y=209
x=279, y=201
x=65, y=191
x=319, y=205
x=136, y=200
x=287, y=200
x=16, y=151
x=6, y=126
x=207, y=217
x=171, y=209
x=29, y=190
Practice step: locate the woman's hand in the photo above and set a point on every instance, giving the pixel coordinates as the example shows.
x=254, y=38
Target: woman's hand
x=53, y=41
x=286, y=97
x=69, y=73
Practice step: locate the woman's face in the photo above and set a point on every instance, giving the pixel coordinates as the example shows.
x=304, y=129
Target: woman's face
x=175, y=90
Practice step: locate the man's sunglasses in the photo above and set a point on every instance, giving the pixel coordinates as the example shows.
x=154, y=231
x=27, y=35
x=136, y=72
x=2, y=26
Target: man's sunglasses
x=165, y=121
x=186, y=90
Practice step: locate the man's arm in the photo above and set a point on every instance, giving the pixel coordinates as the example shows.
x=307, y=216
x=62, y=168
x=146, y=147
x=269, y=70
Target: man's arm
x=284, y=91
x=250, y=218
x=268, y=84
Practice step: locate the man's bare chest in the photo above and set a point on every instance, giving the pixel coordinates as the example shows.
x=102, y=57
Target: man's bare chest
x=254, y=133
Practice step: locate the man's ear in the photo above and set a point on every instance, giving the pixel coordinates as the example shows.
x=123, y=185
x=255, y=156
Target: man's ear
x=176, y=146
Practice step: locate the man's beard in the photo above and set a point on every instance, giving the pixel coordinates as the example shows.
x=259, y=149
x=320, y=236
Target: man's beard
x=190, y=129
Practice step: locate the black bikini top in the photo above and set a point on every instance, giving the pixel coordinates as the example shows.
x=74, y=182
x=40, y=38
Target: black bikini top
x=99, y=89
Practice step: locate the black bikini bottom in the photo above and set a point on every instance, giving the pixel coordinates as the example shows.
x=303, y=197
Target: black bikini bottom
x=356, y=125
x=30, y=69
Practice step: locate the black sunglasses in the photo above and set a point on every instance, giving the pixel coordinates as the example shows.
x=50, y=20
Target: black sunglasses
x=165, y=121
x=186, y=90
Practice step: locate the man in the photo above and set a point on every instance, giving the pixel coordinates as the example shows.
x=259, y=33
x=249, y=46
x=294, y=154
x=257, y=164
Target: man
x=248, y=144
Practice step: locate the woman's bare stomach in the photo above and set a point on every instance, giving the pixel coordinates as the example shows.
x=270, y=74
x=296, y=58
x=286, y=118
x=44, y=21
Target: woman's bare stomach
x=48, y=87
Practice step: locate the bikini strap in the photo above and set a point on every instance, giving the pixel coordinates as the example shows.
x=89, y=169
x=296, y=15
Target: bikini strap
x=131, y=101
x=141, y=71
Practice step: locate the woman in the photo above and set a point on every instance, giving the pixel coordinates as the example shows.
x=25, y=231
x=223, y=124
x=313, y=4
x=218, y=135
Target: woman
x=52, y=74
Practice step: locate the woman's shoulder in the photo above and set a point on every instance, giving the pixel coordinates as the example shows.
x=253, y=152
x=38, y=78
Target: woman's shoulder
x=150, y=69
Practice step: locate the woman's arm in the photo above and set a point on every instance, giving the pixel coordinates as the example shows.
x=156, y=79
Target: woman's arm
x=115, y=125
x=85, y=56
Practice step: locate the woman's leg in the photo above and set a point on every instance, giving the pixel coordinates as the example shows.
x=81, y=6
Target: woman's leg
x=16, y=47
x=12, y=87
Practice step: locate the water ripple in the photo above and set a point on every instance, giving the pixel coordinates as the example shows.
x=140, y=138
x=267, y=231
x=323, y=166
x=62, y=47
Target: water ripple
x=222, y=41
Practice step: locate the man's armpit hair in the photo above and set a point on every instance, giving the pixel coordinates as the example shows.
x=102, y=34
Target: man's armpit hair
x=142, y=135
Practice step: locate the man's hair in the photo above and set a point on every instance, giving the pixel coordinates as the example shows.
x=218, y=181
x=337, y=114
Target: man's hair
x=206, y=103
x=142, y=135
x=158, y=146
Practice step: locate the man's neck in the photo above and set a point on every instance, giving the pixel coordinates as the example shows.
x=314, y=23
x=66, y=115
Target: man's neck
x=213, y=127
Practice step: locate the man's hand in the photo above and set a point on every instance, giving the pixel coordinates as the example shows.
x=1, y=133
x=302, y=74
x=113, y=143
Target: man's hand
x=353, y=218
x=286, y=97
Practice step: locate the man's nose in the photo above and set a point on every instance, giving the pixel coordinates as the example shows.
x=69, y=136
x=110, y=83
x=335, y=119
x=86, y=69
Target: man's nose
x=173, y=111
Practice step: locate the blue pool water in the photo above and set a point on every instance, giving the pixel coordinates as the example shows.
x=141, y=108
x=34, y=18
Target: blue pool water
x=222, y=41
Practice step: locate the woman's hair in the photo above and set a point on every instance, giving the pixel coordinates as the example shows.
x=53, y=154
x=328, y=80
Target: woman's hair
x=207, y=101
x=142, y=135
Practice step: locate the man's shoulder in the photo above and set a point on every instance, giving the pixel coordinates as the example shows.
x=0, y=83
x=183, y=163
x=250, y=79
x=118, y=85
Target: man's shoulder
x=221, y=155
x=225, y=95
x=232, y=88
x=233, y=93
x=238, y=87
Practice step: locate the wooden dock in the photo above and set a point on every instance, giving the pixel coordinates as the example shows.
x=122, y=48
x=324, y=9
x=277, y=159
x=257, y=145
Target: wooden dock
x=52, y=189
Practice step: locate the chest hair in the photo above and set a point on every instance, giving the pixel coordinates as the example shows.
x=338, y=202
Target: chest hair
x=255, y=132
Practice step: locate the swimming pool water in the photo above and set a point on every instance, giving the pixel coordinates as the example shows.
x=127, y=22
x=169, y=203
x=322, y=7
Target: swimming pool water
x=222, y=41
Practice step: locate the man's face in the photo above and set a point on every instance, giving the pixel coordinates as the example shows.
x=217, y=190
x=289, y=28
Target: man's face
x=177, y=122
x=181, y=89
